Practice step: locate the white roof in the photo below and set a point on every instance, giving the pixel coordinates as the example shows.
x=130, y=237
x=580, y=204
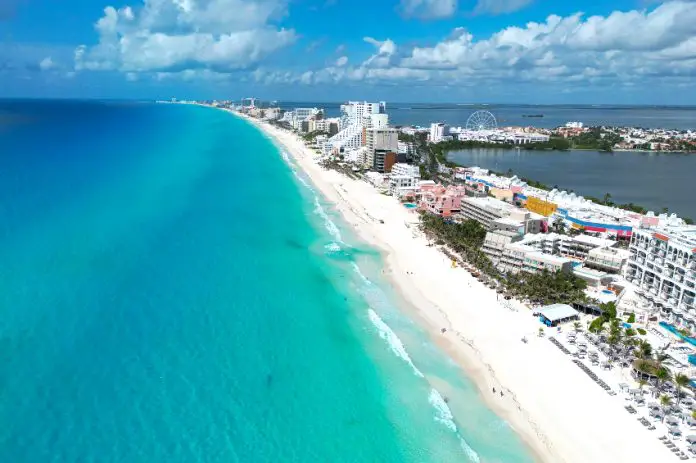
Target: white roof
x=556, y=312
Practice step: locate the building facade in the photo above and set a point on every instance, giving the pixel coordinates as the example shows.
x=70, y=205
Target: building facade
x=662, y=264
x=379, y=143
x=438, y=131
x=487, y=211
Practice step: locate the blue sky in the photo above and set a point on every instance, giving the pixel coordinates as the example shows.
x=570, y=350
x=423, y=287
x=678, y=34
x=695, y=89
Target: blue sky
x=516, y=51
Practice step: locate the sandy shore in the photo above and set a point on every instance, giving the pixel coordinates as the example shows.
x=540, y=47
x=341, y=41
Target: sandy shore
x=561, y=414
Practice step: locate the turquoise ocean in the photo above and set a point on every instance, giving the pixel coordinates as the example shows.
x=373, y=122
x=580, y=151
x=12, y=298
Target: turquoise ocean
x=173, y=289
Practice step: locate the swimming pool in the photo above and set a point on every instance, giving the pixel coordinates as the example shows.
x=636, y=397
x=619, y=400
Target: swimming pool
x=410, y=205
x=674, y=330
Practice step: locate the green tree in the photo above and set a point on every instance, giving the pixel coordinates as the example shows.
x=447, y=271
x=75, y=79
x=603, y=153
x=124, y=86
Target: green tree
x=662, y=375
x=682, y=381
x=644, y=349
x=665, y=400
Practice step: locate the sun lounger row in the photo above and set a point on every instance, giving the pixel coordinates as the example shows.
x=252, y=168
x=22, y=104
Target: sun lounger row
x=594, y=376
x=670, y=445
x=559, y=345
x=646, y=423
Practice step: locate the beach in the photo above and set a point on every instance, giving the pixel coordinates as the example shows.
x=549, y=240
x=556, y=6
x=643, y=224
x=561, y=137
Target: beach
x=559, y=412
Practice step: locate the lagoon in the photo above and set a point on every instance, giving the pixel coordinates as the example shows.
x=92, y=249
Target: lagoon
x=652, y=180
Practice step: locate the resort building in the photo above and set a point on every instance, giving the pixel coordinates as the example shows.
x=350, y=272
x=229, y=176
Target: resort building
x=356, y=117
x=595, y=252
x=518, y=257
x=380, y=142
x=438, y=132
x=607, y=259
x=440, y=200
x=572, y=210
x=662, y=264
x=487, y=211
x=495, y=243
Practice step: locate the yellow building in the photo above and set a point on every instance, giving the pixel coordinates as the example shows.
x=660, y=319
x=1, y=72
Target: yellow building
x=545, y=208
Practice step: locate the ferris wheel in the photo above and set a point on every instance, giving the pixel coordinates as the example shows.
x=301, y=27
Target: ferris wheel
x=481, y=120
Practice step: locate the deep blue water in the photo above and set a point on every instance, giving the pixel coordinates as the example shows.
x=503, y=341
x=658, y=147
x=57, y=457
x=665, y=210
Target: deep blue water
x=173, y=291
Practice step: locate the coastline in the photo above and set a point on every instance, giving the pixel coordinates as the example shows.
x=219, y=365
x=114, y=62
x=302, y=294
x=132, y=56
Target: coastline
x=553, y=406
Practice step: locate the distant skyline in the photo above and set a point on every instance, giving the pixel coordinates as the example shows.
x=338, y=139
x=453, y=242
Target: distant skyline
x=469, y=51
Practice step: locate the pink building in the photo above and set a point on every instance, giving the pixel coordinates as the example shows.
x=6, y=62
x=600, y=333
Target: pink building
x=440, y=200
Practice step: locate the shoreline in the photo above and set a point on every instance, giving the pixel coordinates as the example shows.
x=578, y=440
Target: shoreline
x=554, y=408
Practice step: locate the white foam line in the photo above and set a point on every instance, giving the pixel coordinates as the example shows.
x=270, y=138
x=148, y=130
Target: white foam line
x=392, y=339
x=360, y=274
x=444, y=415
x=328, y=223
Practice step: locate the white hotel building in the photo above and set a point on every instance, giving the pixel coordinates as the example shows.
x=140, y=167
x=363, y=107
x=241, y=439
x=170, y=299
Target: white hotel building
x=404, y=178
x=356, y=116
x=663, y=265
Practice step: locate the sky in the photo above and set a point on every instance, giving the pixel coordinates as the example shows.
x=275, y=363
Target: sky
x=462, y=51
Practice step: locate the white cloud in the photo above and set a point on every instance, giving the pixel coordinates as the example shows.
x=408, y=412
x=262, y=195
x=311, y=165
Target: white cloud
x=176, y=35
x=342, y=61
x=46, y=64
x=428, y=9
x=500, y=6
x=640, y=47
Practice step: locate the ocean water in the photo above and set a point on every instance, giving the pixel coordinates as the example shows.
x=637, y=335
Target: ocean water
x=173, y=290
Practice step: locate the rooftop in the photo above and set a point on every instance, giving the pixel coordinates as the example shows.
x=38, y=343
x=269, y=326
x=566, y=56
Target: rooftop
x=555, y=312
x=549, y=258
x=594, y=241
x=491, y=204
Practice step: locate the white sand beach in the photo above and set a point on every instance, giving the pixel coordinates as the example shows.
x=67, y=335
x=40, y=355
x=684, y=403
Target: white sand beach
x=560, y=413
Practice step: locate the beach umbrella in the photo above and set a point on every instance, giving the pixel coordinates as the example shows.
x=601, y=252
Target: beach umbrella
x=672, y=420
x=691, y=439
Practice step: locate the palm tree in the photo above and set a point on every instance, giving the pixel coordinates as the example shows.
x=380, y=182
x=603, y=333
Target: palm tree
x=541, y=331
x=644, y=349
x=662, y=375
x=641, y=383
x=681, y=380
x=576, y=326
x=665, y=401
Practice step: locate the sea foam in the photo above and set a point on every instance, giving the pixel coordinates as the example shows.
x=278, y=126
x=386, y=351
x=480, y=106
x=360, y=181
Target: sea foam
x=392, y=339
x=444, y=415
